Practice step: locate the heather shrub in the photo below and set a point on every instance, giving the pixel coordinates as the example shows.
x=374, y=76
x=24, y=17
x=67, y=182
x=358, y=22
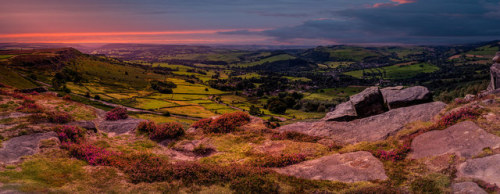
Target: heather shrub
x=67, y=97
x=395, y=154
x=491, y=188
x=269, y=160
x=161, y=131
x=117, y=113
x=93, y=154
x=223, y=124
x=29, y=107
x=146, y=168
x=70, y=134
x=456, y=116
x=59, y=117
x=254, y=184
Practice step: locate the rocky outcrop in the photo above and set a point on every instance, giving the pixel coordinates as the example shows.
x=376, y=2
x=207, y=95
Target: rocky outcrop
x=17, y=147
x=495, y=73
x=486, y=169
x=373, y=101
x=372, y=128
x=368, y=102
x=120, y=126
x=342, y=112
x=349, y=167
x=467, y=188
x=397, y=98
x=465, y=139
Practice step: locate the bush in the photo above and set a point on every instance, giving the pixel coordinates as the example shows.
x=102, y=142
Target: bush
x=70, y=134
x=254, y=184
x=459, y=115
x=163, y=87
x=254, y=111
x=30, y=107
x=93, y=154
x=278, y=161
x=161, y=131
x=67, y=97
x=59, y=117
x=117, y=113
x=375, y=190
x=223, y=124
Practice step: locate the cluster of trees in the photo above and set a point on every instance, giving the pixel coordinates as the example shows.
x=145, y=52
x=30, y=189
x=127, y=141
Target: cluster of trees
x=66, y=75
x=279, y=104
x=163, y=87
x=231, y=84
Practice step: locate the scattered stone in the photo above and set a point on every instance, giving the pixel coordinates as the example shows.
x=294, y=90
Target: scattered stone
x=342, y=112
x=406, y=97
x=349, y=167
x=369, y=102
x=17, y=147
x=467, y=188
x=37, y=89
x=14, y=115
x=465, y=139
x=372, y=128
x=486, y=169
x=89, y=125
x=120, y=126
x=193, y=145
x=469, y=97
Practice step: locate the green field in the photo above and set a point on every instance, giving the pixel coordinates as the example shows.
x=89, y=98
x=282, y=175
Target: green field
x=398, y=71
x=334, y=93
x=12, y=78
x=267, y=60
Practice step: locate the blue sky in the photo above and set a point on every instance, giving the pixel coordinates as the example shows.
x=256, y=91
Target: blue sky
x=281, y=22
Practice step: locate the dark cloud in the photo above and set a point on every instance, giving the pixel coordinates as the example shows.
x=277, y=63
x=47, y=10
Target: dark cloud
x=421, y=22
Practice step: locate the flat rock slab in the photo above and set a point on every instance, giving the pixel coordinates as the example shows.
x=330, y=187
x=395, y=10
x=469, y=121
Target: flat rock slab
x=467, y=188
x=120, y=126
x=349, y=167
x=372, y=128
x=17, y=147
x=465, y=139
x=84, y=124
x=486, y=169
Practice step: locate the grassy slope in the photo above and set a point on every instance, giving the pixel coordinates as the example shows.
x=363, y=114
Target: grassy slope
x=12, y=78
x=398, y=72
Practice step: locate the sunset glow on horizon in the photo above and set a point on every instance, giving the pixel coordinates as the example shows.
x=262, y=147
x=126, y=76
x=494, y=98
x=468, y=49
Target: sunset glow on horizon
x=287, y=22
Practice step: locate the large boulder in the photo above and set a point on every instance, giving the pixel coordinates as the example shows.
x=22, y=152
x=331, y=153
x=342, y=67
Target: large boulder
x=486, y=169
x=349, y=167
x=369, y=102
x=465, y=139
x=397, y=98
x=467, y=188
x=17, y=147
x=372, y=128
x=120, y=126
x=342, y=112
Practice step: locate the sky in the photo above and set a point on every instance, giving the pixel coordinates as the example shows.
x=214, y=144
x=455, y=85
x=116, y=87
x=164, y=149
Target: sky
x=250, y=22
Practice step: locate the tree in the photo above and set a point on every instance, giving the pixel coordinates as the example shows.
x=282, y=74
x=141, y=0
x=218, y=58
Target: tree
x=254, y=110
x=275, y=105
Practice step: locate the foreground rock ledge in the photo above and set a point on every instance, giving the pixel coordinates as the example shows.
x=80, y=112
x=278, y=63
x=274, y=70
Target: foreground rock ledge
x=120, y=126
x=465, y=139
x=349, y=167
x=17, y=147
x=486, y=169
x=372, y=128
x=467, y=188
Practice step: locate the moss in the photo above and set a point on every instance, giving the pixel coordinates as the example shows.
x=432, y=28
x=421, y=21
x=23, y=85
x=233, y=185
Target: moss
x=40, y=173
